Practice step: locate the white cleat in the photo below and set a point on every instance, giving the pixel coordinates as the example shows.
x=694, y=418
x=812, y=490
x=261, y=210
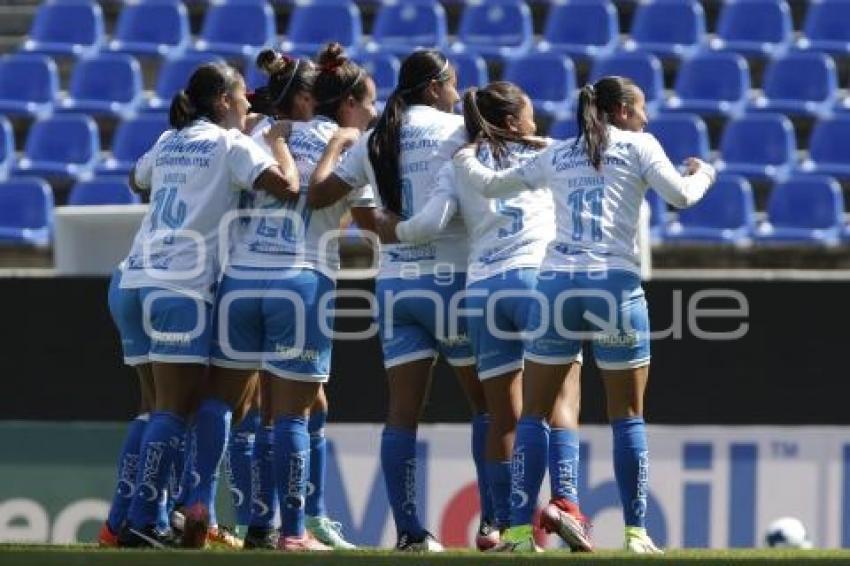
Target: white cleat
x=638, y=542
x=427, y=543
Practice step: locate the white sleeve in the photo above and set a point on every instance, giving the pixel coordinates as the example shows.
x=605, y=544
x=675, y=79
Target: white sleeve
x=362, y=197
x=352, y=167
x=532, y=174
x=246, y=160
x=660, y=174
x=456, y=140
x=435, y=215
x=144, y=166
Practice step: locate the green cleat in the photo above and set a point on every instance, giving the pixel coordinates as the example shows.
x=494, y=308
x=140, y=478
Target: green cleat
x=519, y=539
x=328, y=533
x=638, y=542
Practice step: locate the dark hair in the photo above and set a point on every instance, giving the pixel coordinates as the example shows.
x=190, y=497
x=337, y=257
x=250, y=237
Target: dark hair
x=596, y=103
x=416, y=73
x=206, y=85
x=287, y=77
x=338, y=77
x=485, y=113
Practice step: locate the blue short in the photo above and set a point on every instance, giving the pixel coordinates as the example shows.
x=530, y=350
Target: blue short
x=160, y=325
x=504, y=302
x=274, y=324
x=419, y=318
x=608, y=308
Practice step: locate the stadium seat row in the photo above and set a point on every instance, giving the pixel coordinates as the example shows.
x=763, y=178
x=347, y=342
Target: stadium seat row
x=494, y=29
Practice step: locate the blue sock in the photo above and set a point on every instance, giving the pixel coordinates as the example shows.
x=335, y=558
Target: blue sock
x=158, y=451
x=499, y=477
x=631, y=468
x=188, y=453
x=292, y=462
x=263, y=489
x=128, y=467
x=239, y=451
x=528, y=466
x=318, y=449
x=563, y=464
x=212, y=427
x=398, y=461
x=480, y=424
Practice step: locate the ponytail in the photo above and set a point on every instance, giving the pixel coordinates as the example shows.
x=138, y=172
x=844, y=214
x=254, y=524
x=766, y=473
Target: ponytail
x=591, y=126
x=182, y=112
x=198, y=99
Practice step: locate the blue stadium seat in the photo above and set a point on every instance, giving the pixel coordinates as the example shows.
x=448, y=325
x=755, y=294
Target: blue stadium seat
x=658, y=215
x=496, y=29
x=26, y=212
x=548, y=79
x=254, y=77
x=754, y=27
x=383, y=68
x=668, y=28
x=66, y=27
x=313, y=23
x=152, y=28
x=758, y=145
x=725, y=214
x=132, y=139
x=102, y=190
x=643, y=68
x=804, y=210
x=66, y=146
x=237, y=29
x=109, y=83
x=7, y=147
x=581, y=28
x=471, y=70
x=29, y=84
x=799, y=83
x=828, y=153
x=174, y=76
x=563, y=128
x=827, y=27
x=681, y=136
x=402, y=27
x=712, y=84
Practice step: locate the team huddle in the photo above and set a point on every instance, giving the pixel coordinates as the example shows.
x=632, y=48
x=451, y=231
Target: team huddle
x=500, y=250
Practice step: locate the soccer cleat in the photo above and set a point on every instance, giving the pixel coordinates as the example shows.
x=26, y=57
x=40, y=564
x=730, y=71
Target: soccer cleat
x=222, y=537
x=487, y=536
x=259, y=538
x=425, y=543
x=563, y=518
x=148, y=537
x=638, y=542
x=304, y=543
x=328, y=533
x=519, y=539
x=177, y=519
x=196, y=525
x=106, y=538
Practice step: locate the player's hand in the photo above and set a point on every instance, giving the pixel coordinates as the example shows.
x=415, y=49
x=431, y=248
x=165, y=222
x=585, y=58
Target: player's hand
x=345, y=137
x=279, y=130
x=385, y=224
x=694, y=165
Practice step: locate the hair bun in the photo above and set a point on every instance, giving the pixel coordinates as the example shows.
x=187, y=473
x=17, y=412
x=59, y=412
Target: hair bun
x=270, y=61
x=331, y=57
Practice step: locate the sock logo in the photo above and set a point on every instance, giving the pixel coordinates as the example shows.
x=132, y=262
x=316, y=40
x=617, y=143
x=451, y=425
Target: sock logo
x=519, y=498
x=567, y=477
x=258, y=506
x=296, y=483
x=150, y=472
x=129, y=469
x=310, y=489
x=409, y=504
x=639, y=502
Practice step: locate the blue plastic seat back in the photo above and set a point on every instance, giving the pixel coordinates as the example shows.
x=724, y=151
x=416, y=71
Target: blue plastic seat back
x=411, y=23
x=681, y=136
x=828, y=21
x=543, y=76
x=471, y=70
x=763, y=21
x=383, y=68
x=763, y=139
x=69, y=138
x=714, y=76
x=7, y=145
x=801, y=76
x=239, y=23
x=137, y=135
x=672, y=22
x=109, y=77
x=25, y=202
x=496, y=23
x=812, y=202
x=727, y=204
x=174, y=74
x=316, y=22
x=73, y=22
x=582, y=22
x=830, y=141
x=156, y=22
x=643, y=68
x=113, y=190
x=28, y=77
x=657, y=209
x=563, y=129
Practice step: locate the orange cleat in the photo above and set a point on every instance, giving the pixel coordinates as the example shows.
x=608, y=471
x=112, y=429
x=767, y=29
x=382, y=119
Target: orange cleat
x=106, y=538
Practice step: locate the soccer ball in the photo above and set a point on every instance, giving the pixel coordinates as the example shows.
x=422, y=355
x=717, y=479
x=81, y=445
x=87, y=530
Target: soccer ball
x=786, y=532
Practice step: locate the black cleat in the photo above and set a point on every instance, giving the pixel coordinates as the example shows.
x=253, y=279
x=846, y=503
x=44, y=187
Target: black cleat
x=259, y=538
x=147, y=537
x=425, y=543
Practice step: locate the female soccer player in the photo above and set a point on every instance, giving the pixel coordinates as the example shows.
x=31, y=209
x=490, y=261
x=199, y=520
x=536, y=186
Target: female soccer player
x=416, y=135
x=598, y=182
x=278, y=286
x=508, y=239
x=163, y=302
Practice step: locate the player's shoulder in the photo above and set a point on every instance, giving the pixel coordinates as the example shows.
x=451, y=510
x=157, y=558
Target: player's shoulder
x=629, y=139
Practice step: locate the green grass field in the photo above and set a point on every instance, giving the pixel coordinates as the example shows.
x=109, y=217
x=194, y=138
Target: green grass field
x=87, y=555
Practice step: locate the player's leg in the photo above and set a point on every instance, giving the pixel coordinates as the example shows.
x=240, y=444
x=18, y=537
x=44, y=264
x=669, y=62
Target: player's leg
x=240, y=447
x=262, y=531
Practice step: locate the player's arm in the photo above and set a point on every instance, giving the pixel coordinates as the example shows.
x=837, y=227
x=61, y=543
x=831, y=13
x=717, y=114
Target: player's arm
x=326, y=187
x=659, y=173
x=435, y=215
x=498, y=184
x=134, y=185
x=280, y=180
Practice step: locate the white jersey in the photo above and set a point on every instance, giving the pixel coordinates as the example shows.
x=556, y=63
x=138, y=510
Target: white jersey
x=429, y=137
x=509, y=232
x=596, y=211
x=292, y=235
x=194, y=176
